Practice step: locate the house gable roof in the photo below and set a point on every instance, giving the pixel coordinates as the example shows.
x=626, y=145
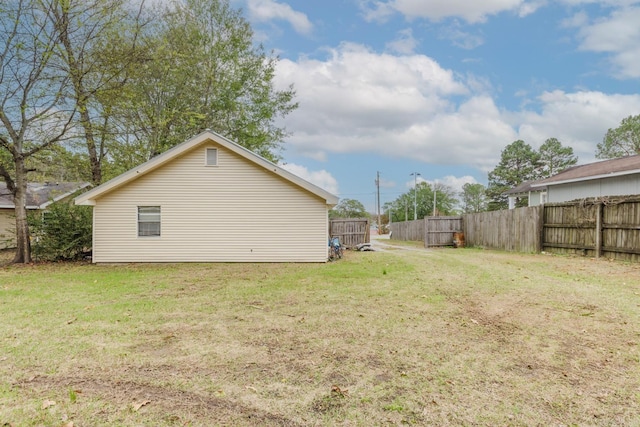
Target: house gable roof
x=605, y=169
x=41, y=195
x=523, y=188
x=89, y=198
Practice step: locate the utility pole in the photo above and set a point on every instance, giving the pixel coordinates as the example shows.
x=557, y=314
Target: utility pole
x=415, y=194
x=378, y=187
x=434, y=197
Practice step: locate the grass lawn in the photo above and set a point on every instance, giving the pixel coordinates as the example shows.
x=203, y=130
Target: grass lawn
x=444, y=337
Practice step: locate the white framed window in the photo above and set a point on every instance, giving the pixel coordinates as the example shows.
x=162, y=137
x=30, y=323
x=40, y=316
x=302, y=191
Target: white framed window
x=148, y=221
x=211, y=158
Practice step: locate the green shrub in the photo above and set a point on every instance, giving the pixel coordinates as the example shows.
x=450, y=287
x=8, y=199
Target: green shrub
x=62, y=232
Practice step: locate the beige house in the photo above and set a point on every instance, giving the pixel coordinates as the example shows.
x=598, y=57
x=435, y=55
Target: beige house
x=39, y=197
x=209, y=200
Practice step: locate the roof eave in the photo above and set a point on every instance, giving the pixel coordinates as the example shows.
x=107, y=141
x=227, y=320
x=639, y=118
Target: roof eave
x=64, y=196
x=589, y=178
x=89, y=198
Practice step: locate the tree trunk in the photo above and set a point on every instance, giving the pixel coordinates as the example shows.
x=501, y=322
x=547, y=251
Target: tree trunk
x=77, y=73
x=23, y=250
x=85, y=120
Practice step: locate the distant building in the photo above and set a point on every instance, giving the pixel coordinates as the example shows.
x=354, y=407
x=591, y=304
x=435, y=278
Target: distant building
x=39, y=197
x=536, y=196
x=614, y=177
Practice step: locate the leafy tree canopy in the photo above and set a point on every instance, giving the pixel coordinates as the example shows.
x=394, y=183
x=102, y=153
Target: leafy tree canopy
x=518, y=163
x=554, y=158
x=474, y=198
x=621, y=141
x=421, y=201
x=204, y=72
x=349, y=208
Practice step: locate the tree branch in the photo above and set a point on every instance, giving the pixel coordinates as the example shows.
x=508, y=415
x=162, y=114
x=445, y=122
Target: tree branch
x=4, y=173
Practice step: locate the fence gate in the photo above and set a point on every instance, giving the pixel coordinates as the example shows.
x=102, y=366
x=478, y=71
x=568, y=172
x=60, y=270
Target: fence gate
x=351, y=231
x=439, y=230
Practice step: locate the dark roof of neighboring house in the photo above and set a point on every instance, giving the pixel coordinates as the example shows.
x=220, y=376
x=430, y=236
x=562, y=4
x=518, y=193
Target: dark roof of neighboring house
x=604, y=169
x=39, y=196
x=523, y=188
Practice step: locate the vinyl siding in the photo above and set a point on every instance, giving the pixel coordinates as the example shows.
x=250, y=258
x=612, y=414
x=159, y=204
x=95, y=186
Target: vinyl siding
x=233, y=212
x=615, y=186
x=7, y=229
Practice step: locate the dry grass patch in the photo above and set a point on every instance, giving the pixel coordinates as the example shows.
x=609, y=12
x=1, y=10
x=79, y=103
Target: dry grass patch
x=6, y=256
x=448, y=337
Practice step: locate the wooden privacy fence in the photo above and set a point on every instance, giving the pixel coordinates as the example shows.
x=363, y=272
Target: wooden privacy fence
x=608, y=227
x=517, y=230
x=439, y=230
x=408, y=230
x=351, y=231
x=601, y=227
x=432, y=230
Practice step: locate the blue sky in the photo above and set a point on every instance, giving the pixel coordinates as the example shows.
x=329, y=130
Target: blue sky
x=440, y=87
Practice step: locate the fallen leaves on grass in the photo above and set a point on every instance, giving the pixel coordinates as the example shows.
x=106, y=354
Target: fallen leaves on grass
x=337, y=390
x=137, y=405
x=334, y=401
x=48, y=403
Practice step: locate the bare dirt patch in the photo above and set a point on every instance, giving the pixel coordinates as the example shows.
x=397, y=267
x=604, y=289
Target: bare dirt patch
x=160, y=402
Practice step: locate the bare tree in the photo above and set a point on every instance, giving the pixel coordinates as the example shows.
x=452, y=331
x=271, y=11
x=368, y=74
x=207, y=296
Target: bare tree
x=98, y=48
x=32, y=93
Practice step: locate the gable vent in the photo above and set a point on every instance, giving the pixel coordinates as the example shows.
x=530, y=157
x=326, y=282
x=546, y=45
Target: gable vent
x=212, y=157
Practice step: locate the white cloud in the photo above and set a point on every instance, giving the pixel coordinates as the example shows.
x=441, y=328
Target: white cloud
x=405, y=43
x=453, y=182
x=457, y=182
x=436, y=10
x=579, y=119
x=358, y=101
x=375, y=11
x=321, y=178
x=576, y=20
x=460, y=38
x=617, y=34
x=267, y=10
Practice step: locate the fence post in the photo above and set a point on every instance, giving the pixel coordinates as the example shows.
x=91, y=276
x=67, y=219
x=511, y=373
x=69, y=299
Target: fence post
x=598, y=242
x=426, y=232
x=540, y=235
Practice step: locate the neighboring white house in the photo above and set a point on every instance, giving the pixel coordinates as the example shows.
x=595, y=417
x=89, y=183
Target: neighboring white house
x=209, y=200
x=615, y=177
x=39, y=197
x=536, y=196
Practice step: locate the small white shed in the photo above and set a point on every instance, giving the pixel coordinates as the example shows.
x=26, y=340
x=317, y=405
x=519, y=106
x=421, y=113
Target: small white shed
x=209, y=200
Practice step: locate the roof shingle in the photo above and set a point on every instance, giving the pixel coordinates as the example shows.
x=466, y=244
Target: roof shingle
x=620, y=166
x=40, y=195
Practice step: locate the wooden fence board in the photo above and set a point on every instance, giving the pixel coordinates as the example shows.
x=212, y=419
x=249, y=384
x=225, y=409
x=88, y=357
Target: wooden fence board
x=608, y=227
x=351, y=231
x=408, y=230
x=432, y=230
x=510, y=230
x=439, y=230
